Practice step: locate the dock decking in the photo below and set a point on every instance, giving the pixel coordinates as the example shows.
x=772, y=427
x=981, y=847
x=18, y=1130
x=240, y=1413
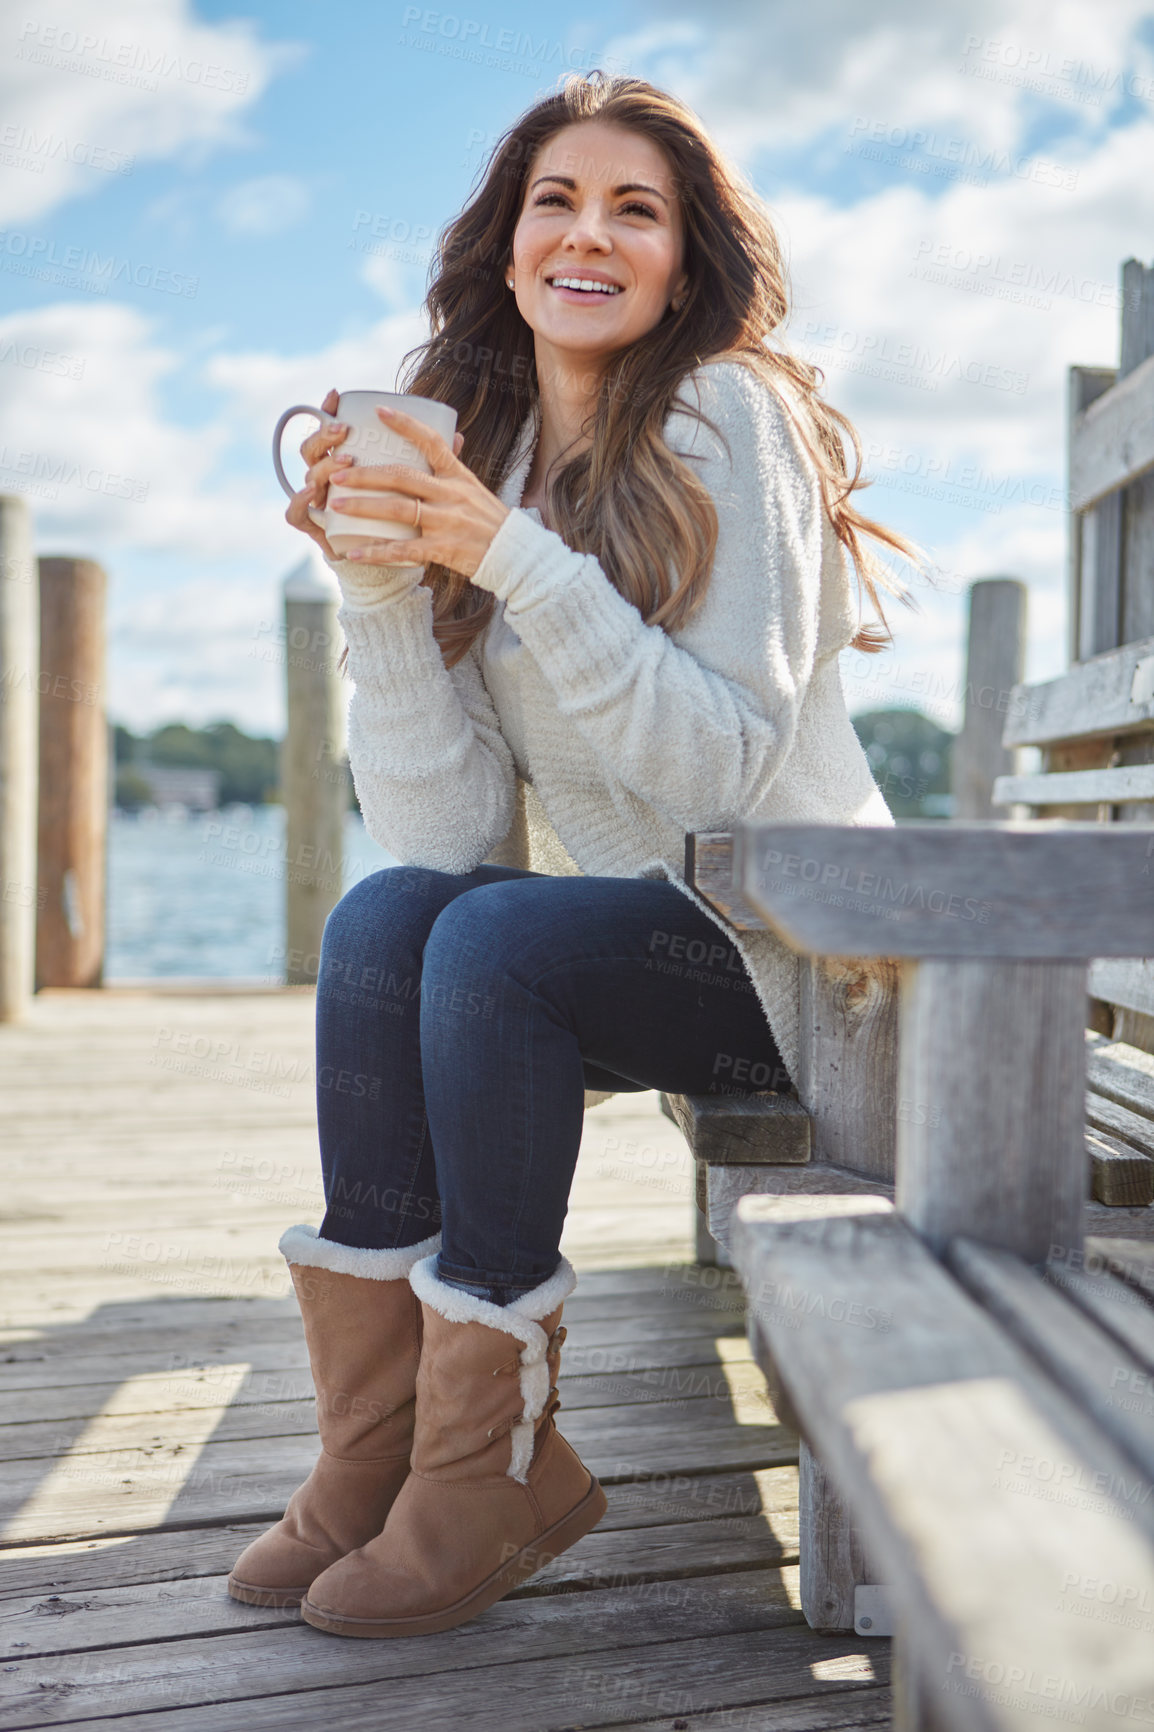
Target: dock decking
x=157, y=1413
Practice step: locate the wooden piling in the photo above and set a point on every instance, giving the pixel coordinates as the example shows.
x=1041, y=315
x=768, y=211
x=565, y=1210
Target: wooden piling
x=73, y=801
x=314, y=775
x=995, y=657
x=19, y=721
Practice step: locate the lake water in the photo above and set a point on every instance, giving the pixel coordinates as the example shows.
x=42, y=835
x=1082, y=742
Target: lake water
x=202, y=894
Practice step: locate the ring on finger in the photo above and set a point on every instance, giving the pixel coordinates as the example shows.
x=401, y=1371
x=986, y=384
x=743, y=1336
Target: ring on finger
x=417, y=519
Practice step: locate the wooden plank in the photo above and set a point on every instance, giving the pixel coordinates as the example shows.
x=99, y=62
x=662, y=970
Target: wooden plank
x=117, y=1491
x=848, y=1061
x=154, y=1612
x=1112, y=441
x=183, y=1554
x=1121, y=1073
x=1003, y=1161
x=1084, y=385
x=624, y=1377
x=833, y=1560
x=725, y=1187
x=1116, y=1307
x=1106, y=1117
x=709, y=869
x=1120, y=1176
x=679, y=1337
x=742, y=1130
x=1100, y=612
x=1114, y=1222
x=1108, y=694
x=619, y=1659
x=932, y=1424
x=1093, y=1367
x=1080, y=788
x=1131, y=1260
x=1010, y=891
x=865, y=1708
x=995, y=652
x=290, y=1412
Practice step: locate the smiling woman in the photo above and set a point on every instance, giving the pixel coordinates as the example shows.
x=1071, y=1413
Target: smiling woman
x=628, y=588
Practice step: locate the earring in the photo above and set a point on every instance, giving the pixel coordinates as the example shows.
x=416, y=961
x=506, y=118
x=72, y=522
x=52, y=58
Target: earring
x=508, y=282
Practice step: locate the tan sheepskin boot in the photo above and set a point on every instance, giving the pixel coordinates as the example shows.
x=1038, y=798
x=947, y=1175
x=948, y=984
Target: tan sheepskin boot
x=495, y=1491
x=363, y=1330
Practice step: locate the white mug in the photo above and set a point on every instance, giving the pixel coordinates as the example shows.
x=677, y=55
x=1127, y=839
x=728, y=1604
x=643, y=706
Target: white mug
x=369, y=441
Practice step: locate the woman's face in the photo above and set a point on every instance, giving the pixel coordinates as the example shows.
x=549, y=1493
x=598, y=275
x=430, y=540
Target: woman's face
x=600, y=205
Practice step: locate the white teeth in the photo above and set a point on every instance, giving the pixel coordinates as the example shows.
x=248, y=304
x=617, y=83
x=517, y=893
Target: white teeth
x=585, y=283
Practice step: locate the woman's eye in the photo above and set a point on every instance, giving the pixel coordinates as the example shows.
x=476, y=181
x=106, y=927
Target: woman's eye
x=634, y=205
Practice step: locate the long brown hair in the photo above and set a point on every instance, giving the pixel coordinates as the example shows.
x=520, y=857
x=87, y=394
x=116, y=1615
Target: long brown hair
x=626, y=498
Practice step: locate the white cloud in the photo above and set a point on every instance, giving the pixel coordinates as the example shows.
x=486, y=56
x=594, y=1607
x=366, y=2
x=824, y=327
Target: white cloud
x=780, y=74
x=86, y=93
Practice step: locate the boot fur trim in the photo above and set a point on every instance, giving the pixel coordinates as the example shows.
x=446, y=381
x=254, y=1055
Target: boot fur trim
x=520, y=1319
x=305, y=1245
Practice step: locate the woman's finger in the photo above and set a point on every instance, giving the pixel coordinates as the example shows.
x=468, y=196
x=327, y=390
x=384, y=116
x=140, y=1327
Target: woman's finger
x=322, y=441
x=319, y=473
x=428, y=442
x=394, y=507
x=297, y=515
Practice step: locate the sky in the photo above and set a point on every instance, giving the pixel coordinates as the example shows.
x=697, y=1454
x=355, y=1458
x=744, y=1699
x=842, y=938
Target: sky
x=211, y=213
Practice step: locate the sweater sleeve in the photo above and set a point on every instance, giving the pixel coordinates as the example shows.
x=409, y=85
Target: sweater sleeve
x=698, y=721
x=433, y=774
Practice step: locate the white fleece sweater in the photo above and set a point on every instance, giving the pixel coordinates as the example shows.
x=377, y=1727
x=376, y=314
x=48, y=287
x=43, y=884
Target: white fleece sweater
x=634, y=735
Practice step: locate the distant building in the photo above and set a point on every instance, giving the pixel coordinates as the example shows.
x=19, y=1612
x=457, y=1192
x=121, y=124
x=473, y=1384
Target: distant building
x=168, y=785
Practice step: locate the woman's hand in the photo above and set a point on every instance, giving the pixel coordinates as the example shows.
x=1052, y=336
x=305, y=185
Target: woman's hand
x=318, y=452
x=458, y=515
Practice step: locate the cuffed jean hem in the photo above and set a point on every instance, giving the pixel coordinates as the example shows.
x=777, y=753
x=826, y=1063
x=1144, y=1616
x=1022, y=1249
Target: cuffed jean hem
x=497, y=1289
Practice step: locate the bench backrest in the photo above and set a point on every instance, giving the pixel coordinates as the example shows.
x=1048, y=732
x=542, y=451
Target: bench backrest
x=1094, y=726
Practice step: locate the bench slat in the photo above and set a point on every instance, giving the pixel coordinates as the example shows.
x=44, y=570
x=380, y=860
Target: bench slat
x=1084, y=1358
x=1128, y=983
x=1106, y=1117
x=1121, y=1073
x=1077, y=787
x=1108, y=694
x=709, y=868
x=999, y=891
x=933, y=1426
x=1116, y=1307
x=1120, y=1176
x=1112, y=440
x=1131, y=1260
x=742, y=1130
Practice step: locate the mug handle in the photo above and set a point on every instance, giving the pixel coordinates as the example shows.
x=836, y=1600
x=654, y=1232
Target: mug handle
x=278, y=465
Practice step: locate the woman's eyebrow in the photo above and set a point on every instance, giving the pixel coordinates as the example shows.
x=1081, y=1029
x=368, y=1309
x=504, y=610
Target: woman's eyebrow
x=632, y=186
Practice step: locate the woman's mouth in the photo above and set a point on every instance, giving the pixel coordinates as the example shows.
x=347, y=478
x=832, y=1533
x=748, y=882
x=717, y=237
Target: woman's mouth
x=586, y=289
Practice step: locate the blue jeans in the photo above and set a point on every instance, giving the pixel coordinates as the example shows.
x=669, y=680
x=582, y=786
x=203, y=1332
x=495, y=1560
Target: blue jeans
x=461, y=1017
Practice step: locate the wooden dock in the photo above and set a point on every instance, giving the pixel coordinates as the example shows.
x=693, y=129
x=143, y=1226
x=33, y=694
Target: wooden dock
x=157, y=1413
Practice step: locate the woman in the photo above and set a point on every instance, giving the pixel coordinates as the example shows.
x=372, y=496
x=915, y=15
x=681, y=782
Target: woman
x=634, y=594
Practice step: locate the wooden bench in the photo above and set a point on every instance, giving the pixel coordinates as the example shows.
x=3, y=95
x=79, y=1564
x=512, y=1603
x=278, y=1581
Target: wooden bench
x=989, y=1430
x=837, y=1132
x=919, y=1403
